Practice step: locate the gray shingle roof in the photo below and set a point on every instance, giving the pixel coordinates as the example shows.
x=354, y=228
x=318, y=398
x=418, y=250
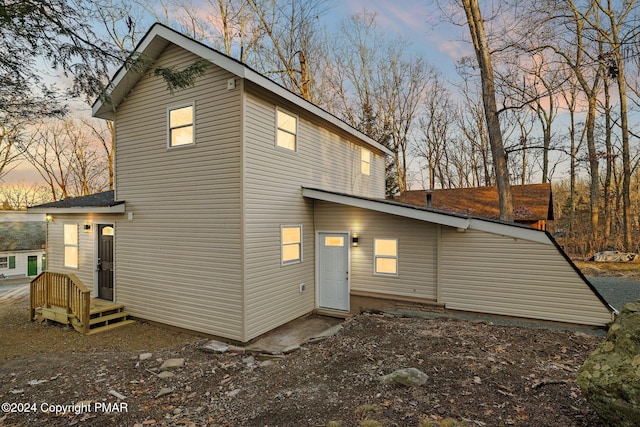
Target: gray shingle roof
x=22, y=236
x=104, y=199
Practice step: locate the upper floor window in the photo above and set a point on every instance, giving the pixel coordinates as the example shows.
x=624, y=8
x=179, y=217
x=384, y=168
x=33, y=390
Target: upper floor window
x=71, y=245
x=365, y=161
x=287, y=130
x=181, y=126
x=291, y=240
x=385, y=257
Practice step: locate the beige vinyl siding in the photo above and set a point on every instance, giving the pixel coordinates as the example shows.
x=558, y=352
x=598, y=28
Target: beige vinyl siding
x=495, y=274
x=179, y=259
x=274, y=178
x=86, y=245
x=417, y=249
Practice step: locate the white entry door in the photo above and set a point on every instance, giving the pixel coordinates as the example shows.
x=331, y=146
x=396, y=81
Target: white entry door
x=333, y=271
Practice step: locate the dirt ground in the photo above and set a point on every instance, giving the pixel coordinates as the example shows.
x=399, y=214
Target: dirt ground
x=480, y=374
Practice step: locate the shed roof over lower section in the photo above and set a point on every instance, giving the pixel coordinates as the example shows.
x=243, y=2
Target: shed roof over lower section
x=103, y=202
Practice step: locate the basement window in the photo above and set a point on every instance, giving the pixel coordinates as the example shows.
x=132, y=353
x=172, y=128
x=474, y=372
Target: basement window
x=71, y=245
x=385, y=257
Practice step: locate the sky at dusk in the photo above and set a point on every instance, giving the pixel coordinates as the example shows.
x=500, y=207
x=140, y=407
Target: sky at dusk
x=420, y=21
x=441, y=43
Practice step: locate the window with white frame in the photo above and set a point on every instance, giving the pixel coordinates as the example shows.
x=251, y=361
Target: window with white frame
x=4, y=262
x=71, y=245
x=180, y=122
x=287, y=130
x=365, y=161
x=291, y=242
x=385, y=257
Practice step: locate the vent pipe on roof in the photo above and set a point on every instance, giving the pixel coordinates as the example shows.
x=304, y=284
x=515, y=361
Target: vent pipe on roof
x=429, y=197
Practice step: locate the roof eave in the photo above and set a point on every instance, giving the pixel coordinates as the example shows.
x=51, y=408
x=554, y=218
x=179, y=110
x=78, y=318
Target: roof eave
x=462, y=224
x=119, y=208
x=380, y=206
x=156, y=40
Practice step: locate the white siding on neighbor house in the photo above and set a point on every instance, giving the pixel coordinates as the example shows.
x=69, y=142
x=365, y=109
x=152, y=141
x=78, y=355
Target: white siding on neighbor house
x=417, y=249
x=179, y=260
x=495, y=274
x=273, y=197
x=22, y=263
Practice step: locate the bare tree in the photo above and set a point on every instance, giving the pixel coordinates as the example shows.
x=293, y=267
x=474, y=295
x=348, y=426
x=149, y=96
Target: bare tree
x=616, y=37
x=436, y=133
x=378, y=89
x=20, y=196
x=574, y=43
x=294, y=51
x=67, y=159
x=499, y=155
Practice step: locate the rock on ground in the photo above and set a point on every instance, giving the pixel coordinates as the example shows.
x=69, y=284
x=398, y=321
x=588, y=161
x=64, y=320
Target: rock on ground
x=610, y=377
x=406, y=376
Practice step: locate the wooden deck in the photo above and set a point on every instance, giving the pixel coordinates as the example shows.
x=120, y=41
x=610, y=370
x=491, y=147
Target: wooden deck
x=64, y=299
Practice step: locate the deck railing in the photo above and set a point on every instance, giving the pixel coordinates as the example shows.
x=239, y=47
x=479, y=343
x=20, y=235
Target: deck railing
x=51, y=289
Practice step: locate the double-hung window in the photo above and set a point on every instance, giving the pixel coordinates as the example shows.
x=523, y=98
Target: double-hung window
x=4, y=262
x=287, y=130
x=71, y=245
x=181, y=124
x=365, y=161
x=385, y=257
x=291, y=242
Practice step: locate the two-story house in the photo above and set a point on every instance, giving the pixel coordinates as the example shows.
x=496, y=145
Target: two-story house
x=240, y=206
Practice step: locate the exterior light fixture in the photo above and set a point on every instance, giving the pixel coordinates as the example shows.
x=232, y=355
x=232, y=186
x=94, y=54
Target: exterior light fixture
x=87, y=226
x=48, y=218
x=355, y=239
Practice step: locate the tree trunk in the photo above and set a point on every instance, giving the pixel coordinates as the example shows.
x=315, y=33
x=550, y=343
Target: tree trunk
x=610, y=159
x=594, y=187
x=476, y=28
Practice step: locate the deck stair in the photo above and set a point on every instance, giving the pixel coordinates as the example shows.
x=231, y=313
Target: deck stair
x=62, y=298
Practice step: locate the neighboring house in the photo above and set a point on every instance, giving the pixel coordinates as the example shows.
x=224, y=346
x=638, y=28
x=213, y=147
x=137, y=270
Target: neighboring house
x=22, y=244
x=240, y=206
x=532, y=203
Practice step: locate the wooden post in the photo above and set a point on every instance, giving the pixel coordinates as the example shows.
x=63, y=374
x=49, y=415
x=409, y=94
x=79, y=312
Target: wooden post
x=86, y=307
x=68, y=280
x=46, y=291
x=32, y=309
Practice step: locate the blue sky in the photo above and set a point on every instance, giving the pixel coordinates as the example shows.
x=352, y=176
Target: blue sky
x=421, y=22
x=418, y=20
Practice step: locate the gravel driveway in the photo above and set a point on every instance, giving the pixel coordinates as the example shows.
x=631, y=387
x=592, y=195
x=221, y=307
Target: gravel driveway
x=617, y=292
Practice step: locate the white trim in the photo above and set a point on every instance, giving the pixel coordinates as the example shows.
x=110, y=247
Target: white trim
x=317, y=267
x=70, y=245
x=159, y=36
x=119, y=208
x=381, y=206
x=396, y=257
x=96, y=237
x=191, y=104
x=278, y=128
x=367, y=162
x=515, y=231
x=300, y=259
